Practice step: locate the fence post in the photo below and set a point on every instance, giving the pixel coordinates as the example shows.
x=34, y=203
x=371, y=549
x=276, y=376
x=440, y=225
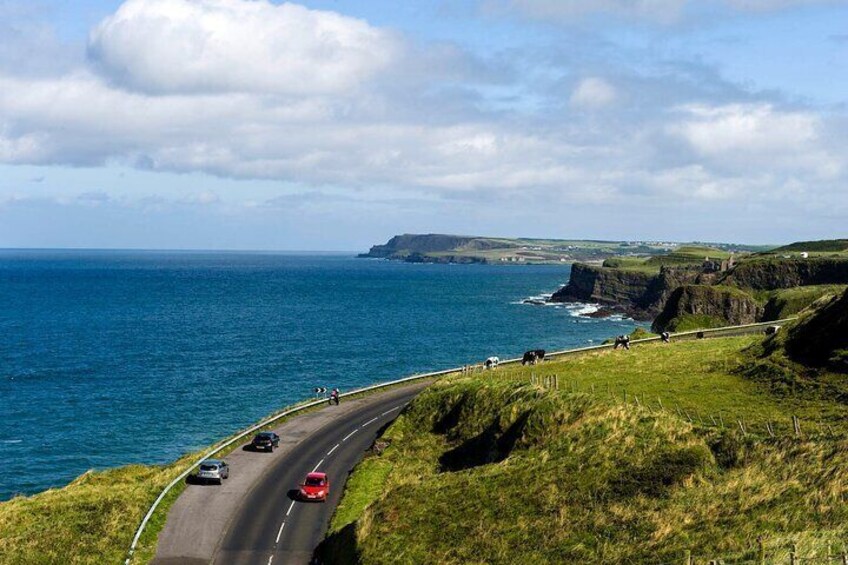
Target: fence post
x=687, y=559
x=556, y=381
x=844, y=558
x=796, y=424
x=793, y=555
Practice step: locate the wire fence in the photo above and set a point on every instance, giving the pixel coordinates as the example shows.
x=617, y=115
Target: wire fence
x=791, y=425
x=762, y=554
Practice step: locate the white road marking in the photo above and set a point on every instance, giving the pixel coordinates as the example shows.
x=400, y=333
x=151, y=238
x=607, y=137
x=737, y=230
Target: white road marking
x=392, y=410
x=270, y=559
x=321, y=462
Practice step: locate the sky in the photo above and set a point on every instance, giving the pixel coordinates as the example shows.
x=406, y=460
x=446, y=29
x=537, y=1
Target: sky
x=335, y=124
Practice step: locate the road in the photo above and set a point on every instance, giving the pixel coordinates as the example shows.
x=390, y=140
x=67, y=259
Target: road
x=254, y=517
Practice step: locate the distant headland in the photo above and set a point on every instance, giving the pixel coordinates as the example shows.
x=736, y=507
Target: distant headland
x=442, y=248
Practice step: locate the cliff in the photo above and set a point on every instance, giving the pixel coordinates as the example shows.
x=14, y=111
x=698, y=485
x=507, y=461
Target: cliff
x=640, y=293
x=402, y=246
x=701, y=306
x=774, y=273
x=768, y=288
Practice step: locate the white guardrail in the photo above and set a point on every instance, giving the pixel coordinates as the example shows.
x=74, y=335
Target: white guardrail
x=715, y=332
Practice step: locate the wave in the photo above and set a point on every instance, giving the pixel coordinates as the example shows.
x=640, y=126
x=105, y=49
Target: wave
x=537, y=300
x=12, y=441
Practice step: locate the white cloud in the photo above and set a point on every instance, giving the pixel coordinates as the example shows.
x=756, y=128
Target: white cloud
x=758, y=135
x=401, y=122
x=197, y=46
x=593, y=93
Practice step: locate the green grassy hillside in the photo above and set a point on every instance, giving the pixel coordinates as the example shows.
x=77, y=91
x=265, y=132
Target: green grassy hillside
x=637, y=458
x=822, y=246
x=92, y=520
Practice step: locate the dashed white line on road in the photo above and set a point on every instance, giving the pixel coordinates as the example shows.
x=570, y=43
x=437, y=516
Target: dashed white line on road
x=280, y=533
x=270, y=559
x=370, y=421
x=332, y=450
x=318, y=465
x=289, y=511
x=392, y=410
x=347, y=437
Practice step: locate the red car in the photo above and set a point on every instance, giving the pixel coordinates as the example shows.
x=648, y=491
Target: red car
x=315, y=487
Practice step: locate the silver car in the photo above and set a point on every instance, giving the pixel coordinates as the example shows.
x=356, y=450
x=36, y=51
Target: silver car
x=213, y=470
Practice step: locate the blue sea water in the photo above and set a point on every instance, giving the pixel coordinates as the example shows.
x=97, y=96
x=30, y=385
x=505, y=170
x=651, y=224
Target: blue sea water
x=109, y=358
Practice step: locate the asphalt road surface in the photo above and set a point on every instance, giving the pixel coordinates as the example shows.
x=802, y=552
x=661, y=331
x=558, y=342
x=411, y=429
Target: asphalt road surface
x=255, y=517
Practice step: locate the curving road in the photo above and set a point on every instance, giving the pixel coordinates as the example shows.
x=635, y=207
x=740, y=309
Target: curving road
x=253, y=518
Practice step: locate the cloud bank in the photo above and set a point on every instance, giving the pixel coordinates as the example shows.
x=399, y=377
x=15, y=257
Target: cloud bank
x=246, y=89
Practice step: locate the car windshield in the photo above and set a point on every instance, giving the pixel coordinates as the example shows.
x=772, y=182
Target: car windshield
x=208, y=467
x=314, y=482
x=262, y=437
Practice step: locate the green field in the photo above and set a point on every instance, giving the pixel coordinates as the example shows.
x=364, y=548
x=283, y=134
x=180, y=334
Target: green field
x=637, y=458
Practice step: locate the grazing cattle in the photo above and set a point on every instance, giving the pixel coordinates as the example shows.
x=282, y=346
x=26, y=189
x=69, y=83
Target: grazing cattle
x=491, y=362
x=533, y=356
x=622, y=341
x=666, y=337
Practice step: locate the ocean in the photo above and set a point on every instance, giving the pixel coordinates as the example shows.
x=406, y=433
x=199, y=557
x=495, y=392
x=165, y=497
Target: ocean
x=116, y=357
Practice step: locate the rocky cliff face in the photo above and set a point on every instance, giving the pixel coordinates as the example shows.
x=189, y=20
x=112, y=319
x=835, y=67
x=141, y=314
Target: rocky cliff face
x=401, y=246
x=641, y=294
x=770, y=274
x=703, y=306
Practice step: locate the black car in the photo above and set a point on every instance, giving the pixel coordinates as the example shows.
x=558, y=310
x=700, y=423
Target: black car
x=266, y=441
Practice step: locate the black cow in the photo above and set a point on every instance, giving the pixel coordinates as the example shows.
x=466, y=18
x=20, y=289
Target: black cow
x=622, y=341
x=533, y=356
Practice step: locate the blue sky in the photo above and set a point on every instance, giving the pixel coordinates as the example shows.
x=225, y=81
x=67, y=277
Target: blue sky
x=334, y=124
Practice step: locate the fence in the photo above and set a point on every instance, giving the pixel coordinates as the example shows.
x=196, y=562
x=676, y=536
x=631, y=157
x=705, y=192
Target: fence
x=788, y=554
x=717, y=332
x=808, y=428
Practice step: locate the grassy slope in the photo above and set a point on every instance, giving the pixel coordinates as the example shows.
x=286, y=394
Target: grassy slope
x=585, y=476
x=787, y=302
x=92, y=520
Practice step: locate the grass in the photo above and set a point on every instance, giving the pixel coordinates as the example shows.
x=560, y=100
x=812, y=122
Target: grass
x=783, y=303
x=823, y=246
x=493, y=469
x=92, y=520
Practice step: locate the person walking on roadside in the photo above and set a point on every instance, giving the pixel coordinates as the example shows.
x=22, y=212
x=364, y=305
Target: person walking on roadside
x=334, y=397
x=666, y=337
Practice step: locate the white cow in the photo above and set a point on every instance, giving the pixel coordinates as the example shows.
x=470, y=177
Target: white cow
x=491, y=362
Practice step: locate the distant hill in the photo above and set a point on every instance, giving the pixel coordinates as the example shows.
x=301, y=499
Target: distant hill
x=822, y=246
x=442, y=248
